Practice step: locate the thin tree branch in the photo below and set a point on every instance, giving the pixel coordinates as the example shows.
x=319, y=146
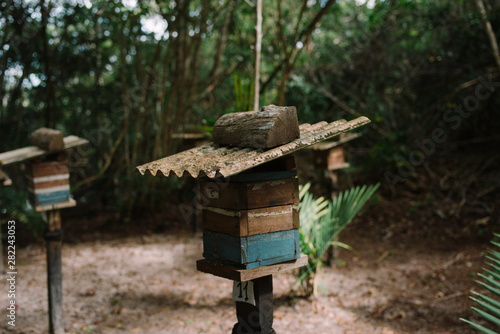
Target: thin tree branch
x=223, y=39
x=489, y=31
x=258, y=45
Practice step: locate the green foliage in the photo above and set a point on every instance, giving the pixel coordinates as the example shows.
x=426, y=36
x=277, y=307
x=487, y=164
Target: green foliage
x=403, y=64
x=14, y=205
x=321, y=221
x=490, y=307
x=98, y=70
x=243, y=93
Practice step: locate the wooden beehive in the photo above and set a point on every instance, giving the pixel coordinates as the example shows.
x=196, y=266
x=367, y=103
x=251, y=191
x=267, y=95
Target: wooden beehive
x=254, y=223
x=331, y=159
x=48, y=182
x=249, y=189
x=329, y=155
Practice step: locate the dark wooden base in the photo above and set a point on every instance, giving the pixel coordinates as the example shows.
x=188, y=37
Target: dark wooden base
x=53, y=238
x=243, y=275
x=257, y=319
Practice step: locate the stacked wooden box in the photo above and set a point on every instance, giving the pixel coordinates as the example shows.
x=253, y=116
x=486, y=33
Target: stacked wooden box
x=254, y=223
x=48, y=176
x=48, y=182
x=252, y=219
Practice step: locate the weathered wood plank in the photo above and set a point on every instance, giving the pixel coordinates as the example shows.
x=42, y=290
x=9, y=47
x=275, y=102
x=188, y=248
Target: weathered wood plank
x=54, y=272
x=48, y=183
x=47, y=168
x=70, y=203
x=31, y=152
x=48, y=139
x=270, y=127
x=250, y=195
x=257, y=318
x=331, y=159
x=252, y=251
x=242, y=275
x=53, y=198
x=250, y=222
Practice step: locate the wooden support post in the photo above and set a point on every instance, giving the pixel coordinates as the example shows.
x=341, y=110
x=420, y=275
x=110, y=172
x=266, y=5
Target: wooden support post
x=2, y=266
x=53, y=237
x=257, y=319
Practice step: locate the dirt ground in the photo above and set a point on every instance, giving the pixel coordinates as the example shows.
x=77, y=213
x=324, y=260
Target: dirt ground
x=408, y=274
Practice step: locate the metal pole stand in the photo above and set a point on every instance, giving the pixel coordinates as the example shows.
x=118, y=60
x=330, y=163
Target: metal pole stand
x=53, y=238
x=257, y=319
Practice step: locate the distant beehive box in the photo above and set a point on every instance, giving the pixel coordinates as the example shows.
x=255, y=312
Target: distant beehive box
x=252, y=224
x=48, y=183
x=331, y=159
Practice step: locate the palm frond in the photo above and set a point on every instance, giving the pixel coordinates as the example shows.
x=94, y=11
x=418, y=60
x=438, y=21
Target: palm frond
x=490, y=306
x=322, y=220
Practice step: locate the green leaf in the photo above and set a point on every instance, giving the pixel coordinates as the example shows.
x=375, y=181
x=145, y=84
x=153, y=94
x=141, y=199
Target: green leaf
x=487, y=306
x=479, y=327
x=487, y=316
x=488, y=299
x=491, y=280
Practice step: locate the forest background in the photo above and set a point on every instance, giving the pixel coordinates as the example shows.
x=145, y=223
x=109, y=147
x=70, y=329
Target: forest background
x=130, y=75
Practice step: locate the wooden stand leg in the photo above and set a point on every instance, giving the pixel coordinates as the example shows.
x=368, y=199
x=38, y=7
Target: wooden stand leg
x=53, y=237
x=333, y=188
x=257, y=319
x=2, y=266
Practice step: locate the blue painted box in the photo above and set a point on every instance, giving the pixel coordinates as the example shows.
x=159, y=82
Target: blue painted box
x=252, y=251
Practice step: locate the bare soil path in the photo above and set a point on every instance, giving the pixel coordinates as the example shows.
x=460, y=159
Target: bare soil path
x=406, y=275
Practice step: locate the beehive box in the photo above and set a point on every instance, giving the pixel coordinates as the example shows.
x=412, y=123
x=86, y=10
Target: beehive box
x=250, y=221
x=48, y=182
x=331, y=159
x=249, y=224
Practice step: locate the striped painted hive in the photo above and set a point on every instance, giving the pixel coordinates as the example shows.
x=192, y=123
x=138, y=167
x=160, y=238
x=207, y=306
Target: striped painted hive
x=48, y=182
x=254, y=223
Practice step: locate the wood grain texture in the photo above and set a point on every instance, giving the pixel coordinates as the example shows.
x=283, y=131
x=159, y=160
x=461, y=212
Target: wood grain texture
x=331, y=159
x=54, y=275
x=48, y=139
x=257, y=318
x=250, y=195
x=252, y=251
x=270, y=127
x=63, y=205
x=48, y=183
x=242, y=275
x=251, y=222
x=48, y=168
x=31, y=152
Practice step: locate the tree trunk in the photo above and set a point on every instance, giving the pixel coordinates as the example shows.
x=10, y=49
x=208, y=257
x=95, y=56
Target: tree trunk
x=489, y=31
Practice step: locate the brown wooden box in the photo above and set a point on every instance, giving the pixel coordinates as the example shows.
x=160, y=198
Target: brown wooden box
x=251, y=222
x=330, y=159
x=249, y=195
x=48, y=183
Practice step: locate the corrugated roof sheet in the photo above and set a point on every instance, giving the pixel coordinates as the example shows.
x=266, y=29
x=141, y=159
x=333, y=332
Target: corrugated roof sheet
x=223, y=161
